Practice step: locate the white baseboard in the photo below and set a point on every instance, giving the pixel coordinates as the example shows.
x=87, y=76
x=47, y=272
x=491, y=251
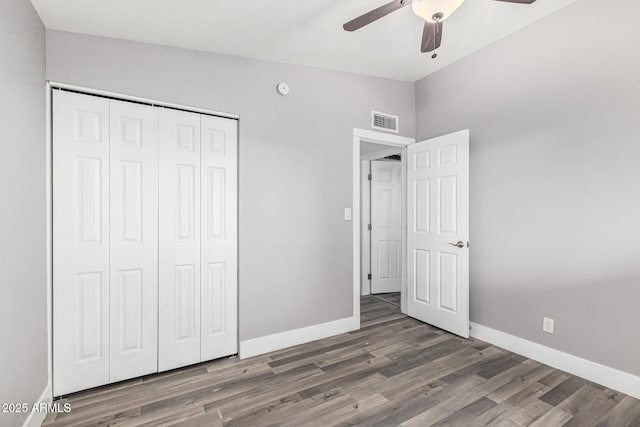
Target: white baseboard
x=266, y=344
x=592, y=371
x=35, y=419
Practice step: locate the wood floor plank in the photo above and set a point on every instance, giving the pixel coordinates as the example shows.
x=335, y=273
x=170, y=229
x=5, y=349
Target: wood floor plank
x=622, y=414
x=166, y=416
x=424, y=379
x=347, y=362
x=466, y=396
x=393, y=371
x=473, y=369
x=209, y=420
x=494, y=368
x=594, y=406
x=501, y=414
x=554, y=378
x=520, y=383
x=563, y=390
x=321, y=405
x=635, y=422
x=394, y=413
x=553, y=418
x=467, y=415
x=421, y=357
x=528, y=414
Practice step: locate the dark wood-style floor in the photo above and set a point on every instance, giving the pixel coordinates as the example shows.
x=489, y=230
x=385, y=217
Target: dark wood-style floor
x=394, y=370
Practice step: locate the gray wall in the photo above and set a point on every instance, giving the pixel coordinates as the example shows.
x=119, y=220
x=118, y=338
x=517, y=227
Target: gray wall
x=23, y=321
x=295, y=161
x=554, y=113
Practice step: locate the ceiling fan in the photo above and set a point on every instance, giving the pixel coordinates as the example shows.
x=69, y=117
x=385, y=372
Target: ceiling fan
x=434, y=12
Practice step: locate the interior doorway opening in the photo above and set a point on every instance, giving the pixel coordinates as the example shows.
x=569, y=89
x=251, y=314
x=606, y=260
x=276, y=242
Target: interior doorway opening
x=381, y=224
x=385, y=155
x=381, y=219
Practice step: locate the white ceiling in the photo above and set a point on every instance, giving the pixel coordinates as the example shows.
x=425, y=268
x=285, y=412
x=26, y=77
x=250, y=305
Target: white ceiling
x=297, y=31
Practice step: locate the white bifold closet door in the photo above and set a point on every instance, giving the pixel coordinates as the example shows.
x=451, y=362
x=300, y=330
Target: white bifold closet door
x=104, y=241
x=179, y=320
x=198, y=210
x=134, y=240
x=219, y=277
x=144, y=239
x=80, y=242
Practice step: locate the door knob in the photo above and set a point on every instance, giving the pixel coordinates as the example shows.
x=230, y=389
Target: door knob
x=460, y=244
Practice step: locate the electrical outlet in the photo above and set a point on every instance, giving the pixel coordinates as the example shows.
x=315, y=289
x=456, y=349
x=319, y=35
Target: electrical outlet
x=548, y=325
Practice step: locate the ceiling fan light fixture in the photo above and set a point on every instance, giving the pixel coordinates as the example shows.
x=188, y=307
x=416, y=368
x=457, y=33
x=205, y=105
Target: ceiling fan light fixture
x=435, y=10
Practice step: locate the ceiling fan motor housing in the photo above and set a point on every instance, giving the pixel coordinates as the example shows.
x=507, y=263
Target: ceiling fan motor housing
x=435, y=10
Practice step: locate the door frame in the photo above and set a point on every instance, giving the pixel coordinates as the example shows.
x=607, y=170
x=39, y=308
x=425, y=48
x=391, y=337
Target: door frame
x=396, y=141
x=365, y=219
x=51, y=85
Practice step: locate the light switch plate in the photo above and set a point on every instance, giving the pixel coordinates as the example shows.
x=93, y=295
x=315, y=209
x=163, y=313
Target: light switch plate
x=347, y=214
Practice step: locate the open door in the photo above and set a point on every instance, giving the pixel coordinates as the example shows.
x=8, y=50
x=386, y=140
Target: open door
x=386, y=227
x=438, y=232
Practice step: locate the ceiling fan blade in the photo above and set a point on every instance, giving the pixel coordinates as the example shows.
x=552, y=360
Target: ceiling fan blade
x=374, y=15
x=518, y=1
x=431, y=36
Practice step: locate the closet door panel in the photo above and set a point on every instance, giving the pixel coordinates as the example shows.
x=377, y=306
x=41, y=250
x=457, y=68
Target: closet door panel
x=179, y=255
x=134, y=240
x=219, y=145
x=80, y=242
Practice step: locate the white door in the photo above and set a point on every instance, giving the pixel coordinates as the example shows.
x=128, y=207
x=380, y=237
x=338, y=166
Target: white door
x=179, y=224
x=438, y=232
x=134, y=240
x=80, y=242
x=144, y=239
x=219, y=277
x=386, y=226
